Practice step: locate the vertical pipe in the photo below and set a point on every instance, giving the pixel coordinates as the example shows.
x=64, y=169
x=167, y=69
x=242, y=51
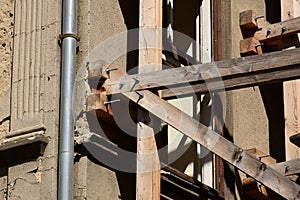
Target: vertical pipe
x=66, y=148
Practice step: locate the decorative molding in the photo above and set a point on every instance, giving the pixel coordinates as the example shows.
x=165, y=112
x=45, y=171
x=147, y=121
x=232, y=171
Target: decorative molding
x=17, y=141
x=28, y=67
x=27, y=130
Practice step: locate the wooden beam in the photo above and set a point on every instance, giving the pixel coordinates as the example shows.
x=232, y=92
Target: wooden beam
x=275, y=31
x=254, y=190
x=250, y=46
x=291, y=89
x=287, y=168
x=217, y=144
x=228, y=74
x=263, y=157
x=148, y=164
x=251, y=20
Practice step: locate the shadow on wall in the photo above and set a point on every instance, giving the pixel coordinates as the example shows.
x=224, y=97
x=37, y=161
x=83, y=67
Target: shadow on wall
x=130, y=11
x=272, y=96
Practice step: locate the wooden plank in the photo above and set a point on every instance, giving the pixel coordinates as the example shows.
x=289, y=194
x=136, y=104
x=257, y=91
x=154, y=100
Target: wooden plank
x=217, y=144
x=275, y=31
x=291, y=90
x=233, y=83
x=255, y=190
x=251, y=20
x=148, y=164
x=295, y=139
x=287, y=168
x=267, y=159
x=238, y=72
x=250, y=46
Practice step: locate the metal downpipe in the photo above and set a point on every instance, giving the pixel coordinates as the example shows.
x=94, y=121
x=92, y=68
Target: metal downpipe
x=66, y=137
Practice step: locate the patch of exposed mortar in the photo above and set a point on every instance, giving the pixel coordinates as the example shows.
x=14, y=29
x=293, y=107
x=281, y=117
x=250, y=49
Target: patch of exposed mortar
x=37, y=172
x=4, y=128
x=82, y=90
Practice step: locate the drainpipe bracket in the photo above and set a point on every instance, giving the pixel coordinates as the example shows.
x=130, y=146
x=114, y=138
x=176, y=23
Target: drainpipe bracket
x=65, y=35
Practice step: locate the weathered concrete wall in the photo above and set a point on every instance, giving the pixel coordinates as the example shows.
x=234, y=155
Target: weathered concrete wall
x=246, y=119
x=30, y=60
x=6, y=31
x=93, y=181
x=97, y=22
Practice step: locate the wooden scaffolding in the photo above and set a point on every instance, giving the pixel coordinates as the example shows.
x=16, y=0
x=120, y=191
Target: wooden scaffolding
x=152, y=86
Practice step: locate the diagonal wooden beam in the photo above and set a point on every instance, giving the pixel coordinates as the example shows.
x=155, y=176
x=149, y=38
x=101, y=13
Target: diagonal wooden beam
x=228, y=74
x=217, y=144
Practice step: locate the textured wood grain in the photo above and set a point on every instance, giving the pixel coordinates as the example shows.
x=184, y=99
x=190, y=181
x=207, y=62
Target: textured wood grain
x=289, y=10
x=275, y=32
x=250, y=46
x=287, y=168
x=251, y=20
x=150, y=59
x=217, y=144
x=227, y=74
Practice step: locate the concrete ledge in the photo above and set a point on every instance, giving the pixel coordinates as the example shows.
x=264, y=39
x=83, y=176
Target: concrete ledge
x=22, y=140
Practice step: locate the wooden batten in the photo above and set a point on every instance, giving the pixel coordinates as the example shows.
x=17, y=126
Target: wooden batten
x=271, y=37
x=288, y=168
x=150, y=59
x=278, y=30
x=255, y=190
x=200, y=78
x=263, y=157
x=250, y=46
x=250, y=22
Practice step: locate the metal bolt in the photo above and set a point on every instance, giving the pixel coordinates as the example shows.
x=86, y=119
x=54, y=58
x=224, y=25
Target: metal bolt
x=121, y=85
x=136, y=79
x=258, y=45
x=258, y=17
x=269, y=31
x=107, y=70
x=263, y=167
x=238, y=155
x=287, y=169
x=283, y=29
x=259, y=184
x=110, y=102
x=141, y=94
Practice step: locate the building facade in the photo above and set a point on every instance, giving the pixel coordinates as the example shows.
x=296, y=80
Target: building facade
x=30, y=96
